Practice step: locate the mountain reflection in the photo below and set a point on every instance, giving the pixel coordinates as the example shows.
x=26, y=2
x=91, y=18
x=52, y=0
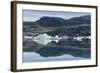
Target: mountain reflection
x=57, y=51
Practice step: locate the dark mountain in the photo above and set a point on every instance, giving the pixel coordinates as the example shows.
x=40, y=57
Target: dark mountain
x=51, y=21
x=80, y=20
x=57, y=21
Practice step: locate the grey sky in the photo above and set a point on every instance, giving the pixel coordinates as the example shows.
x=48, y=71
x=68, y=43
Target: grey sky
x=34, y=15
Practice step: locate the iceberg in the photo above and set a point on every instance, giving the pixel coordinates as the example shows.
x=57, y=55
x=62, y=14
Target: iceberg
x=43, y=39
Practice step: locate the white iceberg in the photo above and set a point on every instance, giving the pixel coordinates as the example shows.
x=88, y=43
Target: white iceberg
x=43, y=39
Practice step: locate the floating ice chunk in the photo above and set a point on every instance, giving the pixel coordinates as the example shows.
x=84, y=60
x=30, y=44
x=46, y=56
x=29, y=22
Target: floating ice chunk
x=43, y=39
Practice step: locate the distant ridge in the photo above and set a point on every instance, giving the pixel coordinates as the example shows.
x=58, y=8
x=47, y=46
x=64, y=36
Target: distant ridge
x=57, y=21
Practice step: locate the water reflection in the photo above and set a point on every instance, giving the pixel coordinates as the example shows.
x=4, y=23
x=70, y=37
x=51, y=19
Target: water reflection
x=44, y=47
x=35, y=57
x=57, y=51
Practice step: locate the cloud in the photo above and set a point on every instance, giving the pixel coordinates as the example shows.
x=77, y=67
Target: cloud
x=33, y=15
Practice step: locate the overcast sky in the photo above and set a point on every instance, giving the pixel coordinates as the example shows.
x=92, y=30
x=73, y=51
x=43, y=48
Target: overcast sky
x=34, y=15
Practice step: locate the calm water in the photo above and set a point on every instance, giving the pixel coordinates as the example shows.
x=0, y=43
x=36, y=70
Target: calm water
x=55, y=54
x=34, y=57
x=43, y=48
